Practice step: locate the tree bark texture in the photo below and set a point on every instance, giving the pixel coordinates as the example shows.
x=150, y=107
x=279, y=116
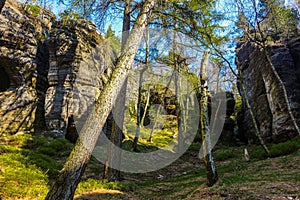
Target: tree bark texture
x=65, y=185
x=211, y=172
x=114, y=158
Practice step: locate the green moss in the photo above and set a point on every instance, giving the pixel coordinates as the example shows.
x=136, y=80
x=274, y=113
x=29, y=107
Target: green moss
x=19, y=179
x=224, y=155
x=27, y=164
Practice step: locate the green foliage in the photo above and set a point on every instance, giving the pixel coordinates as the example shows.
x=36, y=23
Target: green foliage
x=163, y=138
x=238, y=104
x=278, y=21
x=285, y=148
x=35, y=10
x=68, y=16
x=20, y=176
x=132, y=109
x=257, y=153
x=113, y=40
x=27, y=164
x=224, y=155
x=276, y=150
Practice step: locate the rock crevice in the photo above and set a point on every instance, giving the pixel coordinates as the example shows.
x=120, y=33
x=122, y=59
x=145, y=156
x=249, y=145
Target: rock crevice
x=266, y=87
x=49, y=71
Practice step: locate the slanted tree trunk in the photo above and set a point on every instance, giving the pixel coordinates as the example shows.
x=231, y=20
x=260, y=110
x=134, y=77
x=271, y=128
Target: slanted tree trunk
x=211, y=172
x=263, y=44
x=244, y=95
x=249, y=107
x=65, y=184
x=178, y=106
x=116, y=138
x=283, y=89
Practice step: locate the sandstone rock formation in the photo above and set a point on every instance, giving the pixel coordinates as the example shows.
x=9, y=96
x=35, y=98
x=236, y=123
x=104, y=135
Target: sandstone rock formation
x=23, y=66
x=78, y=69
x=227, y=136
x=264, y=92
x=51, y=71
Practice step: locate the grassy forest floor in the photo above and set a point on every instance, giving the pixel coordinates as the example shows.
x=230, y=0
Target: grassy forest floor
x=29, y=164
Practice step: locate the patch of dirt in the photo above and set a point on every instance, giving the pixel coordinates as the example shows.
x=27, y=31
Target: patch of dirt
x=276, y=178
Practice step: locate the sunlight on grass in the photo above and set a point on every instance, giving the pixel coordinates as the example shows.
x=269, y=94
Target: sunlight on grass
x=26, y=166
x=165, y=138
x=19, y=179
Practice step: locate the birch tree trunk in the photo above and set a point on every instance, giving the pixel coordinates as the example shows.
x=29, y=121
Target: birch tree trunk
x=263, y=44
x=178, y=105
x=249, y=107
x=65, y=185
x=211, y=172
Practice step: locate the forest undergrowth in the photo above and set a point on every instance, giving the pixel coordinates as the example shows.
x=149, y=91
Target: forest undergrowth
x=29, y=164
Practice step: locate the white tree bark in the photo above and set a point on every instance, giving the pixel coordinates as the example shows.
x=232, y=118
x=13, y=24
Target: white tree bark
x=211, y=172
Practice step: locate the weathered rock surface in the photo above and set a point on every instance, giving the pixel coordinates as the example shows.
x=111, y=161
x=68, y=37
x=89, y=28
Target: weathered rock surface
x=50, y=71
x=265, y=91
x=227, y=136
x=78, y=70
x=23, y=66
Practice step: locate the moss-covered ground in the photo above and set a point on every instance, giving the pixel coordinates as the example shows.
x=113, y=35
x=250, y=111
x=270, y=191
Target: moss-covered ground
x=29, y=164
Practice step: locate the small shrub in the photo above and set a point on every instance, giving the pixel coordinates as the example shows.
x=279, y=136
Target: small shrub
x=258, y=153
x=56, y=147
x=60, y=144
x=284, y=148
x=224, y=155
x=47, y=164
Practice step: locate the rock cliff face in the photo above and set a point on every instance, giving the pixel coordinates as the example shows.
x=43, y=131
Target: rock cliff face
x=77, y=58
x=265, y=92
x=23, y=66
x=47, y=69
